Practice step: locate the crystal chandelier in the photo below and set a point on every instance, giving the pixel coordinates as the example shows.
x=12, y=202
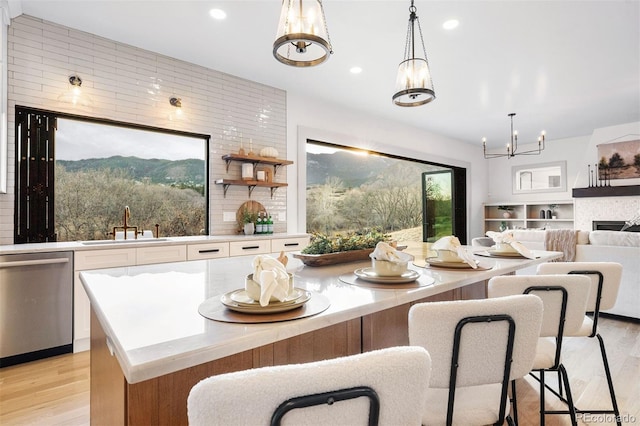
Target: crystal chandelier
x=512, y=147
x=413, y=85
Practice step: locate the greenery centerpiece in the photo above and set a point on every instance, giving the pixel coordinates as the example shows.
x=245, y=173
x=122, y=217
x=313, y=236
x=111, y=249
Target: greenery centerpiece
x=327, y=249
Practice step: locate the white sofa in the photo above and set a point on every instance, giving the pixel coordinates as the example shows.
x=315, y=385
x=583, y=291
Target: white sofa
x=602, y=246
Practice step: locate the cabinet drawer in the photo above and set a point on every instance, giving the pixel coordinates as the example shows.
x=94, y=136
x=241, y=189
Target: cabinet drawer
x=149, y=255
x=111, y=258
x=289, y=244
x=207, y=251
x=241, y=248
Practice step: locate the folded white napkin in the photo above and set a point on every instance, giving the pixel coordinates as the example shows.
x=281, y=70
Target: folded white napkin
x=506, y=237
x=384, y=251
x=272, y=277
x=452, y=243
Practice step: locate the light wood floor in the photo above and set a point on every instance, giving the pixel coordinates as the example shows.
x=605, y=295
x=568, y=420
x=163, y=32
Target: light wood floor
x=55, y=391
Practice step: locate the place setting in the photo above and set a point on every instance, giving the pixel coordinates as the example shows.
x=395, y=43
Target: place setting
x=389, y=267
x=506, y=247
x=449, y=254
x=269, y=295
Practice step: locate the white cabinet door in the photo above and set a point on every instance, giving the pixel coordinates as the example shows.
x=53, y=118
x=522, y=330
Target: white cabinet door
x=161, y=254
x=207, y=251
x=289, y=244
x=242, y=248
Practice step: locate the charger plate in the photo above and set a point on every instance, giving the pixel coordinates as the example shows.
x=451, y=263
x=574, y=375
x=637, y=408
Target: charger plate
x=449, y=265
x=227, y=300
x=368, y=274
x=241, y=297
x=421, y=281
x=213, y=309
x=501, y=254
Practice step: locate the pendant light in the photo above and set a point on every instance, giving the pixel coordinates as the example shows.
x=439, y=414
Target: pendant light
x=302, y=39
x=413, y=85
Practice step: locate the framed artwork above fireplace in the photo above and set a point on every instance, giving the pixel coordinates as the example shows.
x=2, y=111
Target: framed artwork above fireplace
x=620, y=160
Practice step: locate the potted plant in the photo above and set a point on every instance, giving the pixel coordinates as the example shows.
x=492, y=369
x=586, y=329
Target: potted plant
x=247, y=221
x=507, y=211
x=553, y=208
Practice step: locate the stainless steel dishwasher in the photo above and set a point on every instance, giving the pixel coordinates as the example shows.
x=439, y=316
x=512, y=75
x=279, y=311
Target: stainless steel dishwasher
x=36, y=306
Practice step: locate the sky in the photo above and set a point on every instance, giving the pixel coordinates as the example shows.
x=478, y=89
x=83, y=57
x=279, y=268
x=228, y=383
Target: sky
x=79, y=140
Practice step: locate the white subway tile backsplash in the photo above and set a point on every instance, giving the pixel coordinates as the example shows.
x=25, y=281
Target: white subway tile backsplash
x=118, y=77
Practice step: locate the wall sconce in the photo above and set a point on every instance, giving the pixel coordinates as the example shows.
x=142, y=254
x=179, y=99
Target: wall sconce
x=74, y=94
x=177, y=113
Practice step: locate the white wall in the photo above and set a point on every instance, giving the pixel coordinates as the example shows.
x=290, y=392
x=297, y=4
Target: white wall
x=307, y=119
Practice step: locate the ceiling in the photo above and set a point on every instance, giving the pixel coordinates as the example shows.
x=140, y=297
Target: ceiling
x=567, y=67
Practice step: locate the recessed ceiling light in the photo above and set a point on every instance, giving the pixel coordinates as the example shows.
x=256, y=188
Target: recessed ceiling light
x=355, y=70
x=217, y=13
x=450, y=24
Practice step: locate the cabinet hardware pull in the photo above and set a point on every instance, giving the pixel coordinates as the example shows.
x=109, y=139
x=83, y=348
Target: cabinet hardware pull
x=291, y=244
x=32, y=262
x=250, y=247
x=209, y=251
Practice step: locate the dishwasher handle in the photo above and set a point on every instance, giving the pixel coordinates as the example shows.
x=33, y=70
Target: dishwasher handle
x=35, y=262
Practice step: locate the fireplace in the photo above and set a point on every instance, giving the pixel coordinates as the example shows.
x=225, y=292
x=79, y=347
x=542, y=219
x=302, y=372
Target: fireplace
x=613, y=225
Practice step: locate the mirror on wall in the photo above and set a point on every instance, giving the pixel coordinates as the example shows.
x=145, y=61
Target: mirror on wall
x=546, y=177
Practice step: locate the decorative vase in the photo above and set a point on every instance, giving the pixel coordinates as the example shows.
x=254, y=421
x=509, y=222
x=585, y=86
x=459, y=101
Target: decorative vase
x=249, y=228
x=506, y=215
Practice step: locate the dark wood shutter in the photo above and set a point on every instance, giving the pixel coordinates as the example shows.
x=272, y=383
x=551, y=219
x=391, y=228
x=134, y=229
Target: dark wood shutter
x=35, y=173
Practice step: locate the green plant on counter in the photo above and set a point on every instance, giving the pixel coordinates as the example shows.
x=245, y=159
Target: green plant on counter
x=323, y=243
x=248, y=216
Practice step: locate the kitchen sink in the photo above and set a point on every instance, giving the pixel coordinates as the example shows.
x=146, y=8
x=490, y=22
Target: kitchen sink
x=111, y=242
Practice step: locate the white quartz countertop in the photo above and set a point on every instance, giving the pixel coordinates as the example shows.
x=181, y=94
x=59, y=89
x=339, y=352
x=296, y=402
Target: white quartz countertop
x=146, y=242
x=150, y=313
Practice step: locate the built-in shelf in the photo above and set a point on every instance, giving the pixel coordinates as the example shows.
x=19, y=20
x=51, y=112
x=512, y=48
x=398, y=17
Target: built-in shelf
x=252, y=184
x=607, y=191
x=527, y=215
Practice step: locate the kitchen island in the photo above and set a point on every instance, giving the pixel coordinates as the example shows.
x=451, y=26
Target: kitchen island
x=149, y=344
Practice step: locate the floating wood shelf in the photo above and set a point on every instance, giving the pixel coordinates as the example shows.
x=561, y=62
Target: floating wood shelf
x=250, y=184
x=275, y=162
x=607, y=191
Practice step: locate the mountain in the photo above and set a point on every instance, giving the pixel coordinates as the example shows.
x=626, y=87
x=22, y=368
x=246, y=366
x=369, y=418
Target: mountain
x=352, y=169
x=158, y=171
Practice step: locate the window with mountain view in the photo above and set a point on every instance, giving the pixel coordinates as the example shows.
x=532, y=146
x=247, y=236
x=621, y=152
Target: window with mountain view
x=351, y=190
x=101, y=168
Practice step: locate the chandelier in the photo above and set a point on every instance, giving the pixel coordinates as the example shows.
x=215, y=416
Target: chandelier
x=413, y=84
x=303, y=37
x=512, y=147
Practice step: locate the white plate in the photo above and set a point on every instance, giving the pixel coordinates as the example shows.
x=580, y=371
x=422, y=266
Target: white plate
x=497, y=253
x=241, y=297
x=368, y=274
x=442, y=264
x=271, y=308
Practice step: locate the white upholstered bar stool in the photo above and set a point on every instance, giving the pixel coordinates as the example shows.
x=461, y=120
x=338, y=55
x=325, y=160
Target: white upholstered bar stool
x=386, y=386
x=565, y=300
x=477, y=347
x=605, y=282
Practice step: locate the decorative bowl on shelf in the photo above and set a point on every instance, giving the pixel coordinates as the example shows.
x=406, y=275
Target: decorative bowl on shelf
x=269, y=152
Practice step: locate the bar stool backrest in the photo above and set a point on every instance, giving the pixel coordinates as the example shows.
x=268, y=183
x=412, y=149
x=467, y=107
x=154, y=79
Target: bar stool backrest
x=611, y=272
x=397, y=377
